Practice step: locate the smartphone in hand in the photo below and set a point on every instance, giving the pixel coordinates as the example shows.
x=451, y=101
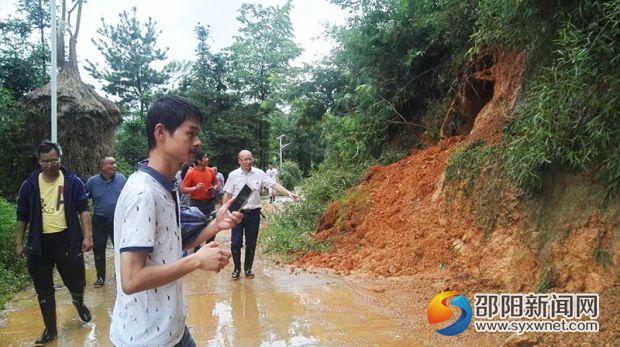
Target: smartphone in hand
x=241, y=199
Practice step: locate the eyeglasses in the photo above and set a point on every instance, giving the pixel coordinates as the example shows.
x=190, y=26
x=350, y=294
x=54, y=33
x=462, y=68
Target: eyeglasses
x=49, y=162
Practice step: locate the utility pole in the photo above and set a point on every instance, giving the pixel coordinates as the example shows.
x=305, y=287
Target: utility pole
x=53, y=74
x=281, y=148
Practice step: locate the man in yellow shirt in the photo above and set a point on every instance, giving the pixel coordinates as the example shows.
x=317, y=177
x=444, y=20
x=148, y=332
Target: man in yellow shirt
x=49, y=202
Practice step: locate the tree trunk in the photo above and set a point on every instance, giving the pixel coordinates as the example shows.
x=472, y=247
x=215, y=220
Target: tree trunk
x=41, y=27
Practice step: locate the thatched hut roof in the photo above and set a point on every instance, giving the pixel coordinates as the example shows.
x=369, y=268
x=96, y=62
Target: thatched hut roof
x=86, y=122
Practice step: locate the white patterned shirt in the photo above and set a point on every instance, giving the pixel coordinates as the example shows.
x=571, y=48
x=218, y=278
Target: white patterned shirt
x=146, y=219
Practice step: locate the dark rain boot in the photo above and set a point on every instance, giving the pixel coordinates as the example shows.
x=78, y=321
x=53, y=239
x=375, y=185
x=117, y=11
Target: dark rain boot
x=247, y=264
x=236, y=255
x=82, y=310
x=48, y=311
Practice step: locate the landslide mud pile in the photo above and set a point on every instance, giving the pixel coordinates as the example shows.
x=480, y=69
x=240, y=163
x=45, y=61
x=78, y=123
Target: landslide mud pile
x=404, y=220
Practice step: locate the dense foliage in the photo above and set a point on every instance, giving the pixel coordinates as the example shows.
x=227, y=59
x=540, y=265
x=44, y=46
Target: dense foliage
x=383, y=91
x=570, y=114
x=13, y=273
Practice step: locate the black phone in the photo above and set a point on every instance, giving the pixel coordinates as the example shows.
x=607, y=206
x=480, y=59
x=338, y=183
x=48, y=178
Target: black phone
x=241, y=199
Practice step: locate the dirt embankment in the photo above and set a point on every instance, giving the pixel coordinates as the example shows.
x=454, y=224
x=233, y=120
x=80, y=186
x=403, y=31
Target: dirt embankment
x=404, y=221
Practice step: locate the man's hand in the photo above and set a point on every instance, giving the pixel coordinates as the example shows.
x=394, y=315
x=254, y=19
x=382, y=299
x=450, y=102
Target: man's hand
x=20, y=250
x=224, y=219
x=87, y=244
x=199, y=186
x=293, y=196
x=212, y=257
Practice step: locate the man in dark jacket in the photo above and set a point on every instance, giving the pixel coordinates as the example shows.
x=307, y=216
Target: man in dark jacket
x=49, y=202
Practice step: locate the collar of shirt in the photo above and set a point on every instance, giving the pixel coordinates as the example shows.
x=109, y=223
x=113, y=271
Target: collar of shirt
x=142, y=166
x=105, y=180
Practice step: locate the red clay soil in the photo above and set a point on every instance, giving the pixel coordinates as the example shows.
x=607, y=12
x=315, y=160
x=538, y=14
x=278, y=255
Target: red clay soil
x=406, y=232
x=401, y=231
x=392, y=236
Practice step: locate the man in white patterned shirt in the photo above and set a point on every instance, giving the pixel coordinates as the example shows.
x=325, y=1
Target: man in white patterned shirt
x=150, y=308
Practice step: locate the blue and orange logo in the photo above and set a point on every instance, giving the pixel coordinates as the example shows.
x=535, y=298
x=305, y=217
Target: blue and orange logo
x=438, y=311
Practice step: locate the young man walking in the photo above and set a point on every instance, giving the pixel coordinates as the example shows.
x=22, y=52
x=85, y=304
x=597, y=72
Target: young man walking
x=150, y=309
x=272, y=172
x=49, y=203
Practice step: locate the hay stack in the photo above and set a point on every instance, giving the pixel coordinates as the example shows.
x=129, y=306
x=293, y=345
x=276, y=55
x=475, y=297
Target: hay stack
x=86, y=122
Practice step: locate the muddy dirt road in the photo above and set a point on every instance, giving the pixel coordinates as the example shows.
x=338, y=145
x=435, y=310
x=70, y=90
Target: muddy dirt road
x=279, y=307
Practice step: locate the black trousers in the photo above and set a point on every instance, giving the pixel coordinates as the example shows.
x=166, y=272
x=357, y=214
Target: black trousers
x=55, y=253
x=102, y=229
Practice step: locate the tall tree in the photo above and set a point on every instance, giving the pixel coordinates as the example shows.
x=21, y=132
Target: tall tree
x=260, y=56
x=37, y=14
x=129, y=49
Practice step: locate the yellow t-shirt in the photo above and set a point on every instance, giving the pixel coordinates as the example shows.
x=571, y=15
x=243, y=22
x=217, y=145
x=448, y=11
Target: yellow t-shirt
x=53, y=204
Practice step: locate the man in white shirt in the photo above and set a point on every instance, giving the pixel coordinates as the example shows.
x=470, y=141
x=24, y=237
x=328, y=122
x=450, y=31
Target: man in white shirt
x=150, y=309
x=273, y=174
x=256, y=179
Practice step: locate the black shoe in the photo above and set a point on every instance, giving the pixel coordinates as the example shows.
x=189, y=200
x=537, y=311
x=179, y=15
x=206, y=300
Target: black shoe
x=45, y=338
x=100, y=282
x=83, y=312
x=235, y=274
x=249, y=274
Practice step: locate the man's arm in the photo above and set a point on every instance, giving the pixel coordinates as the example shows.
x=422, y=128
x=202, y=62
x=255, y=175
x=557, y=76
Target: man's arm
x=283, y=190
x=214, y=182
x=19, y=239
x=226, y=198
x=186, y=186
x=136, y=276
x=23, y=215
x=87, y=226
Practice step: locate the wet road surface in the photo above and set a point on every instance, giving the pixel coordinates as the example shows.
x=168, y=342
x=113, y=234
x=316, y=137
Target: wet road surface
x=279, y=307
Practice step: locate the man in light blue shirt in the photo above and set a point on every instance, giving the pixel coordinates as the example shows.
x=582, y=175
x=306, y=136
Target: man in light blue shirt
x=104, y=190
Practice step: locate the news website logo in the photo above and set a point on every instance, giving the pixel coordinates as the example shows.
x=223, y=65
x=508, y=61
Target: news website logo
x=438, y=311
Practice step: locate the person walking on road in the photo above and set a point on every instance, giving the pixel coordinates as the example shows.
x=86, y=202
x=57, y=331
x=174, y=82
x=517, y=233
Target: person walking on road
x=150, y=307
x=104, y=189
x=273, y=174
x=256, y=179
x=50, y=202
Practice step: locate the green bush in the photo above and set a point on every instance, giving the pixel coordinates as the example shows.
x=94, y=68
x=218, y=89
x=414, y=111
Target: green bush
x=17, y=154
x=290, y=231
x=466, y=162
x=290, y=174
x=13, y=273
x=570, y=116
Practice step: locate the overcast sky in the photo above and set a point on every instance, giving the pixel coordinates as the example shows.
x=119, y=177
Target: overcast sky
x=177, y=24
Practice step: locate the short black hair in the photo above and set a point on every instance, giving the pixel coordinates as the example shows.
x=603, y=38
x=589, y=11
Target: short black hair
x=171, y=111
x=199, y=156
x=46, y=146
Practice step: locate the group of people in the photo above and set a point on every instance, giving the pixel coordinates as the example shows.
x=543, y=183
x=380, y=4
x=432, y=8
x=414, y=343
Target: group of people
x=141, y=215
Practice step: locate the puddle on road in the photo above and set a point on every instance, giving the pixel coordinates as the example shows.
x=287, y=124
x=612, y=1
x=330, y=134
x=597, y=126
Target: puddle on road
x=277, y=308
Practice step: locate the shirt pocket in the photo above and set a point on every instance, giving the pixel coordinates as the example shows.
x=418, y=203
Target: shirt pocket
x=254, y=184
